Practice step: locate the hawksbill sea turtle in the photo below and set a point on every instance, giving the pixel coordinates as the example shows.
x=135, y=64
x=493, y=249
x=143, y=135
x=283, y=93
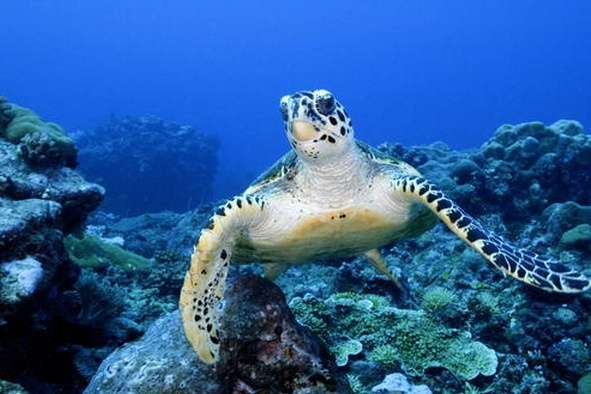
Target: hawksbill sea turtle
x=333, y=196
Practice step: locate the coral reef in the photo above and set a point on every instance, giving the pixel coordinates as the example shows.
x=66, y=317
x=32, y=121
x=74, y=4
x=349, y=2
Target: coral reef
x=393, y=336
x=39, y=143
x=459, y=327
x=149, y=233
x=271, y=353
x=521, y=170
x=126, y=155
x=42, y=199
x=462, y=327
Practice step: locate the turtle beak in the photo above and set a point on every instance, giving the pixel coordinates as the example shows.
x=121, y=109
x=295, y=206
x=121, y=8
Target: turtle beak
x=303, y=131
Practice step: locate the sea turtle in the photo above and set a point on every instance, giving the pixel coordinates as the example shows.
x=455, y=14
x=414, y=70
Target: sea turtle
x=333, y=196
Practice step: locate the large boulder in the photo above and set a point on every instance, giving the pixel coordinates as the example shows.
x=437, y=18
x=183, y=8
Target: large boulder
x=149, y=165
x=263, y=349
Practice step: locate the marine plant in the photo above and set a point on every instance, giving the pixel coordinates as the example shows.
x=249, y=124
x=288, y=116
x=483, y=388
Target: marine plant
x=100, y=301
x=92, y=251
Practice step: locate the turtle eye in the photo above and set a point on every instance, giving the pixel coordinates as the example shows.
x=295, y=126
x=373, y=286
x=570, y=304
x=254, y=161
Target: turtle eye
x=325, y=104
x=283, y=110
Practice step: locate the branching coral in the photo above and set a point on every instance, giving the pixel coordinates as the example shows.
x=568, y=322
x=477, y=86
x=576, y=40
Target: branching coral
x=392, y=336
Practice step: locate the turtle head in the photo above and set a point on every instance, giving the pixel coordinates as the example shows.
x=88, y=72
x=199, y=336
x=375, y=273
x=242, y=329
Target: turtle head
x=317, y=125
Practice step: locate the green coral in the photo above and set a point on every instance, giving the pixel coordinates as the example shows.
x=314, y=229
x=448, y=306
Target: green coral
x=39, y=142
x=391, y=336
x=577, y=237
x=584, y=384
x=311, y=312
x=343, y=350
x=486, y=304
x=91, y=251
x=422, y=343
x=385, y=355
x=355, y=384
x=11, y=388
x=437, y=299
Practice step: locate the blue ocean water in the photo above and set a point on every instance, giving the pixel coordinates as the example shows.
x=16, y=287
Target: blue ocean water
x=412, y=72
x=174, y=106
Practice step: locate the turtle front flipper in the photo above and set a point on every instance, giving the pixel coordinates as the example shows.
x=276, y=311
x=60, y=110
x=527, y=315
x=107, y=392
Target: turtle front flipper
x=203, y=288
x=521, y=264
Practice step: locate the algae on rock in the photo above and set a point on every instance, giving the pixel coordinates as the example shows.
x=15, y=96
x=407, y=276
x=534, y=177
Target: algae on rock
x=39, y=142
x=92, y=251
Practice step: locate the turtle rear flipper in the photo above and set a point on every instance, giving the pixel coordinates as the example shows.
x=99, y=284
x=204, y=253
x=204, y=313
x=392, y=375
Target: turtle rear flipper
x=521, y=264
x=203, y=288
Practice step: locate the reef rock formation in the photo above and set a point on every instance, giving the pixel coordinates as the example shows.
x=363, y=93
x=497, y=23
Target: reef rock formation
x=148, y=164
x=41, y=200
x=150, y=233
x=519, y=171
x=263, y=349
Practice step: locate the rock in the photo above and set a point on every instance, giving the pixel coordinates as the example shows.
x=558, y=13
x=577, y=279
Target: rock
x=572, y=355
x=397, y=383
x=270, y=353
x=20, y=219
x=19, y=279
x=62, y=185
x=518, y=172
x=153, y=233
x=566, y=317
x=126, y=155
x=161, y=361
x=577, y=237
x=561, y=217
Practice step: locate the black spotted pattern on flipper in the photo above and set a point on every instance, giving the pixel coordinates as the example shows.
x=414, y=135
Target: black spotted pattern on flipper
x=521, y=264
x=203, y=288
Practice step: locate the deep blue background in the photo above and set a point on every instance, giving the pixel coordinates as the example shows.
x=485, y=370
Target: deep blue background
x=408, y=71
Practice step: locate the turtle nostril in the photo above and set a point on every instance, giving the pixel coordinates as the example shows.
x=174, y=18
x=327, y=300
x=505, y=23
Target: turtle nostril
x=325, y=104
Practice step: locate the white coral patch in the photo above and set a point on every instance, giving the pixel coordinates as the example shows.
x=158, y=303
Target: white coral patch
x=19, y=279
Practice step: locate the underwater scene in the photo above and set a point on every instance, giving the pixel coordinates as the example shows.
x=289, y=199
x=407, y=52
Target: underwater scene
x=295, y=197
